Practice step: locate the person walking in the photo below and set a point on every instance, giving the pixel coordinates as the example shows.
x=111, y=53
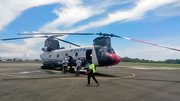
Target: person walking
x=78, y=63
x=90, y=72
x=65, y=65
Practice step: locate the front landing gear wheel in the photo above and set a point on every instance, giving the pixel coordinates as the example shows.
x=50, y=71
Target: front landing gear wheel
x=42, y=67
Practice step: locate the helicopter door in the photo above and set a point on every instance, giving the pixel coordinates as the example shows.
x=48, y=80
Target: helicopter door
x=89, y=54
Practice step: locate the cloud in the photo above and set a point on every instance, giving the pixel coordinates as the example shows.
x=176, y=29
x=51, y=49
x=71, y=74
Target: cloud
x=10, y=9
x=70, y=14
x=169, y=10
x=138, y=12
x=11, y=49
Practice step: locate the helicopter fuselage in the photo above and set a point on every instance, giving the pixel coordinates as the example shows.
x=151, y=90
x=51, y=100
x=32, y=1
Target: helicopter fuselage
x=100, y=56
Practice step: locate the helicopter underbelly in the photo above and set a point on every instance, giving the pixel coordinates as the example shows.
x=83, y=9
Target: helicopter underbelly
x=47, y=59
x=51, y=63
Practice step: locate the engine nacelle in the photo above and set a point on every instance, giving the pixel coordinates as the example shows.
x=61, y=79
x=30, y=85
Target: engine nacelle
x=44, y=49
x=48, y=48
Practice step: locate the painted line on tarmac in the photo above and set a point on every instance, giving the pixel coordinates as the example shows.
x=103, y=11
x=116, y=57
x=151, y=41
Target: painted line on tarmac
x=13, y=75
x=7, y=69
x=65, y=77
x=30, y=77
x=86, y=77
x=83, y=77
x=153, y=68
x=133, y=75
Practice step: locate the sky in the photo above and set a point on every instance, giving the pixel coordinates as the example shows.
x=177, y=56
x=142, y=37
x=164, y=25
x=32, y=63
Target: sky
x=155, y=21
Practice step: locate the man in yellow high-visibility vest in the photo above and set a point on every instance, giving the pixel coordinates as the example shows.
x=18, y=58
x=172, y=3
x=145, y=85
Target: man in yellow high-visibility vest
x=91, y=74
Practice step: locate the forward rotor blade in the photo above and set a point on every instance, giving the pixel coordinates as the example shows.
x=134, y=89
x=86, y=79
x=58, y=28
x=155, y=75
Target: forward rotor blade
x=57, y=34
x=21, y=38
x=68, y=42
x=147, y=43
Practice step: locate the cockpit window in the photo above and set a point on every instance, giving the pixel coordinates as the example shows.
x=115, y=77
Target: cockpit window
x=110, y=50
x=105, y=50
x=100, y=52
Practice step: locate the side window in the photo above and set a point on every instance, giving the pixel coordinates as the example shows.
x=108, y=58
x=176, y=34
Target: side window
x=84, y=49
x=76, y=54
x=57, y=55
x=110, y=51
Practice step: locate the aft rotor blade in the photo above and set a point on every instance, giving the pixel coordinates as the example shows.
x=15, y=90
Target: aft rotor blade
x=147, y=43
x=57, y=34
x=68, y=42
x=21, y=38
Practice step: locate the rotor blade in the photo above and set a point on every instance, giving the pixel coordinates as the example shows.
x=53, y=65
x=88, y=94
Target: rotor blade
x=68, y=42
x=57, y=33
x=21, y=38
x=147, y=43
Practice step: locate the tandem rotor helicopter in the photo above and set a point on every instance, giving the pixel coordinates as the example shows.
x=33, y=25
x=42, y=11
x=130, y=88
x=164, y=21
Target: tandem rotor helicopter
x=100, y=53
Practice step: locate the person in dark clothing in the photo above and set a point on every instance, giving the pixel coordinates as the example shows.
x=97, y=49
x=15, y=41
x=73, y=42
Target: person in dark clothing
x=90, y=72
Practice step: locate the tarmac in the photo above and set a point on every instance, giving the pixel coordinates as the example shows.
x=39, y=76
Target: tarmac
x=28, y=82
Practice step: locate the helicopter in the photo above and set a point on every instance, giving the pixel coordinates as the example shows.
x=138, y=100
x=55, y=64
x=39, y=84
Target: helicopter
x=100, y=53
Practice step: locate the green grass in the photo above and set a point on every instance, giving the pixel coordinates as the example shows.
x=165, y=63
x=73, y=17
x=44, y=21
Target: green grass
x=149, y=64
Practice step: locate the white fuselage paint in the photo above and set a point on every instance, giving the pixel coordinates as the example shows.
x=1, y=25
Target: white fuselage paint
x=53, y=55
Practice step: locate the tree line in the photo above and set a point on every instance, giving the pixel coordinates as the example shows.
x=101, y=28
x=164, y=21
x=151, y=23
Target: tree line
x=171, y=61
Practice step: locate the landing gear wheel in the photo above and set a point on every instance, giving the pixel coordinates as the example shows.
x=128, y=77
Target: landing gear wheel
x=71, y=70
x=44, y=67
x=61, y=68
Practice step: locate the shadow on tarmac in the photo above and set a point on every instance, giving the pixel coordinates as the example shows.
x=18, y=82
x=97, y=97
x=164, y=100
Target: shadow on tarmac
x=34, y=78
x=82, y=72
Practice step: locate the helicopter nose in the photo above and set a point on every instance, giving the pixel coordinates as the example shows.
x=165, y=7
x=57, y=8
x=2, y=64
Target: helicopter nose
x=115, y=58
